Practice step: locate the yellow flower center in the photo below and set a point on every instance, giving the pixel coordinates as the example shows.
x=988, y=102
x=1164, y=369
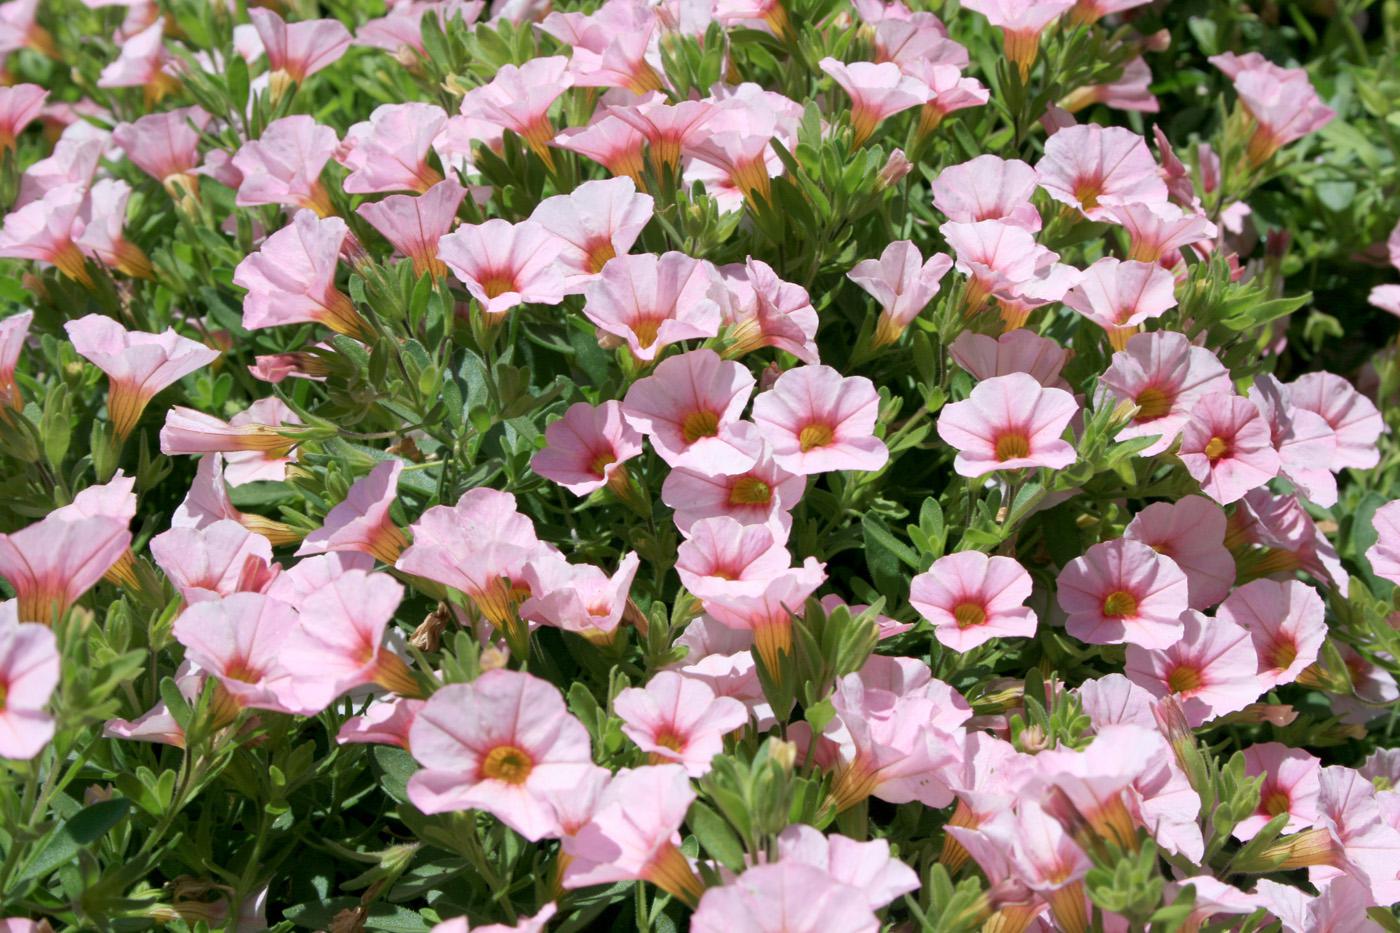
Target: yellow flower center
x=598, y=255
x=1216, y=448
x=1184, y=679
x=1285, y=652
x=1276, y=803
x=1119, y=604
x=601, y=462
x=646, y=330
x=969, y=614
x=699, y=424
x=750, y=490
x=507, y=764
x=1013, y=446
x=497, y=284
x=1152, y=403
x=1087, y=192
x=815, y=435
x=667, y=738
x=242, y=672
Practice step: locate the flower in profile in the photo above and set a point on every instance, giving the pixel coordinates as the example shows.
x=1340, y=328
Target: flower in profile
x=519, y=98
x=996, y=256
x=721, y=556
x=1305, y=442
x=597, y=221
x=1119, y=295
x=239, y=640
x=20, y=105
x=1287, y=539
x=1164, y=376
x=283, y=165
x=763, y=493
x=1351, y=415
x=414, y=224
x=496, y=744
x=988, y=188
x=950, y=91
x=165, y=146
x=1341, y=904
x=866, y=866
x=207, y=501
x=577, y=598
x=102, y=235
x=1095, y=168
x=1281, y=102
x=253, y=447
x=1092, y=786
x=1227, y=447
x=1021, y=24
x=767, y=611
x=1009, y=422
x=43, y=230
x=676, y=719
x=389, y=152
x=400, y=32
x=1191, y=531
x=1284, y=619
x=818, y=421
x=143, y=62
x=296, y=51
x=386, y=721
x=633, y=834
x=650, y=301
x=665, y=128
x=14, y=330
x=1017, y=351
x=610, y=142
x=1158, y=229
x=902, y=283
x=29, y=672
x=1123, y=591
x=1087, y=12
x=614, y=47
x=761, y=310
x=504, y=264
x=686, y=404
x=1291, y=785
x=361, y=521
x=787, y=896
x=1044, y=857
x=51, y=563
x=1129, y=91
x=585, y=450
x=877, y=92
x=1212, y=668
x=1384, y=555
x=158, y=724
x=137, y=364
x=971, y=598
x=291, y=278
x=217, y=560
x=734, y=157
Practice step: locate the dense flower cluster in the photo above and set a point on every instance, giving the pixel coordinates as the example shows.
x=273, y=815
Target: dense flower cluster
x=726, y=464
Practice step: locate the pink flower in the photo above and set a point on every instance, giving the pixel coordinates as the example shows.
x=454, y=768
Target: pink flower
x=137, y=364
x=1123, y=591
x=361, y=521
x=1021, y=24
x=29, y=671
x=401, y=31
x=677, y=719
x=1289, y=538
x=1156, y=229
x=239, y=640
x=686, y=404
x=496, y=744
x=1227, y=447
x=633, y=834
x=1281, y=101
x=158, y=725
x=721, y=556
x=763, y=493
x=1305, y=442
x=1212, y=668
x=1009, y=422
x=1129, y=91
x=296, y=51
x=666, y=129
x=291, y=278
x=1043, y=857
x=734, y=156
x=14, y=330
x=217, y=560
x=761, y=310
x=785, y=897
x=614, y=47
x=1119, y=295
x=519, y=98
x=866, y=866
x=585, y=450
x=1191, y=531
x=1384, y=555
x=578, y=598
x=610, y=142
x=103, y=219
x=385, y=721
x=165, y=145
x=20, y=105
x=971, y=598
x=651, y=301
x=51, y=563
x=1018, y=351
x=1087, y=12
x=1291, y=786
x=995, y=256
x=1095, y=782
x=902, y=283
x=767, y=612
x=1093, y=168
x=253, y=447
x=43, y=230
x=818, y=421
x=389, y=152
x=1164, y=376
x=877, y=92
x=283, y=165
x=950, y=89
x=143, y=62
x=533, y=924
x=504, y=264
x=1357, y=423
x=1341, y=905
x=594, y=223
x=1285, y=621
x=988, y=188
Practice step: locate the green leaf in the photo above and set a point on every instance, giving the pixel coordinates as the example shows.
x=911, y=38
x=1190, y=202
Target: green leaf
x=715, y=836
x=396, y=766
x=61, y=846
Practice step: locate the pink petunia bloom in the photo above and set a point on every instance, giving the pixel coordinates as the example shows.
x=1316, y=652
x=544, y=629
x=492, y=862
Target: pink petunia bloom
x=217, y=560
x=763, y=493
x=1291, y=786
x=1305, y=442
x=818, y=421
x=1157, y=229
x=74, y=160
x=401, y=31
x=102, y=235
x=951, y=92
x=386, y=721
x=1288, y=537
x=877, y=92
x=14, y=331
x=29, y=672
x=1212, y=668
x=971, y=598
x=759, y=309
x=650, y=301
x=143, y=62
x=988, y=188
x=1130, y=91
x=615, y=47
x=610, y=142
x=1087, y=12
x=1351, y=415
x=496, y=744
x=902, y=283
x=207, y=501
x=665, y=128
x=585, y=450
x=389, y=152
x=1164, y=376
x=1021, y=24
x=1043, y=857
x=519, y=98
x=296, y=51
x=51, y=563
x=283, y=165
x=686, y=404
x=253, y=448
x=504, y=264
x=1384, y=555
x=1093, y=168
x=1339, y=907
x=291, y=278
x=361, y=521
x=721, y=556
x=1191, y=531
x=1018, y=351
x=137, y=364
x=1353, y=819
x=995, y=255
x=165, y=146
x=1282, y=103
x=20, y=105
x=43, y=230
x=578, y=598
x=767, y=612
x=239, y=640
x=785, y=897
x=537, y=923
x=1119, y=295
x=1095, y=784
x=1123, y=591
x=734, y=156
x=1226, y=446
x=866, y=866
x=1009, y=422
x=1285, y=621
x=594, y=223
x=414, y=224
x=678, y=719
x=158, y=724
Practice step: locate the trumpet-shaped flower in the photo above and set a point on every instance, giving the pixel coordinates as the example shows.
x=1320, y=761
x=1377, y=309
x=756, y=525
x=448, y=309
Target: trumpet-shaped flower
x=29, y=672
x=519, y=98
x=1212, y=668
x=253, y=448
x=866, y=866
x=1226, y=445
x=415, y=224
x=995, y=255
x=389, y=152
x=217, y=560
x=818, y=421
x=43, y=230
x=763, y=493
x=1120, y=295
x=578, y=598
x=676, y=719
x=1305, y=442
x=504, y=264
x=1018, y=351
x=14, y=330
x=1351, y=415
x=1021, y=24
x=597, y=221
x=1281, y=101
x=1384, y=555
x=877, y=92
x=102, y=235
x=296, y=51
x=1009, y=422
x=902, y=283
x=164, y=145
x=665, y=128
x=650, y=301
x=239, y=640
x=585, y=450
x=1285, y=621
x=988, y=188
x=971, y=598
x=1158, y=229
x=1164, y=376
x=1191, y=531
x=686, y=404
x=291, y=278
x=20, y=105
x=767, y=612
x=1095, y=168
x=785, y=897
x=609, y=141
x=51, y=563
x=361, y=521
x=1123, y=591
x=1291, y=785
x=761, y=310
x=721, y=556
x=283, y=165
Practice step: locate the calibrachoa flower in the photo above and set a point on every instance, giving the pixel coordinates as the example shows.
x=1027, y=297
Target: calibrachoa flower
x=1021, y=24
x=361, y=521
x=1191, y=531
x=51, y=563
x=504, y=264
x=767, y=611
x=1018, y=351
x=971, y=598
x=496, y=744
x=686, y=404
x=650, y=302
x=594, y=223
x=1119, y=295
x=103, y=230
x=296, y=51
x=1212, y=668
x=1123, y=591
x=1045, y=858
x=585, y=450
x=1384, y=555
x=678, y=719
x=578, y=598
x=866, y=866
x=1095, y=168
x=42, y=230
x=283, y=165
x=988, y=188
x=519, y=98
x=1156, y=229
x=1227, y=447
x=137, y=364
x=165, y=146
x=1164, y=376
x=817, y=421
x=761, y=310
x=1009, y=422
x=252, y=446
x=389, y=152
x=14, y=330
x=291, y=278
x=785, y=897
x=1305, y=442
x=1285, y=621
x=1290, y=786
x=902, y=283
x=877, y=92
x=995, y=255
x=239, y=640
x=29, y=672
x=217, y=560
x=720, y=555
x=1351, y=415
x=1280, y=101
x=763, y=493
x=665, y=128
x=20, y=105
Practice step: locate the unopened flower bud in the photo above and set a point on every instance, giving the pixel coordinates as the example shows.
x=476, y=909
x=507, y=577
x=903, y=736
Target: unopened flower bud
x=493, y=658
x=783, y=752
x=896, y=167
